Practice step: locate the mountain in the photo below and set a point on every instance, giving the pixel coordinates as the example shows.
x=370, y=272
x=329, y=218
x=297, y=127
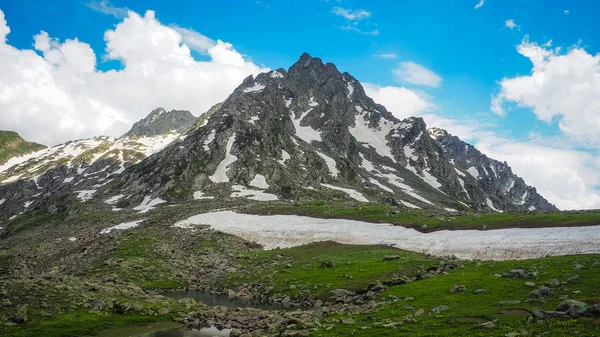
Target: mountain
x=488, y=181
x=160, y=122
x=311, y=133
x=12, y=145
x=80, y=167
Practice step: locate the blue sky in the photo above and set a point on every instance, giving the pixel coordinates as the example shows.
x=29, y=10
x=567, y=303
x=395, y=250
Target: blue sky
x=445, y=60
x=471, y=49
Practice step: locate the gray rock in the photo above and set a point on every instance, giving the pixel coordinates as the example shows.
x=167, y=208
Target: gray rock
x=517, y=273
x=439, y=309
x=458, y=288
x=486, y=325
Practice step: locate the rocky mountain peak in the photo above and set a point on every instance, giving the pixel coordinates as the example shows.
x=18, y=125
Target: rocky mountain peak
x=159, y=122
x=12, y=145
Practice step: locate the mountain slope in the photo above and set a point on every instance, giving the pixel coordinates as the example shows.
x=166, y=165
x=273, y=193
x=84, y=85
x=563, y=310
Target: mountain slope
x=78, y=168
x=308, y=133
x=488, y=181
x=160, y=122
x=12, y=145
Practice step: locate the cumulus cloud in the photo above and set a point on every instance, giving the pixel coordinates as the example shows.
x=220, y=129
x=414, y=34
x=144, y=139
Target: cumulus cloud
x=350, y=14
x=563, y=176
x=566, y=11
x=401, y=101
x=510, y=23
x=60, y=95
x=563, y=87
x=417, y=74
x=480, y=4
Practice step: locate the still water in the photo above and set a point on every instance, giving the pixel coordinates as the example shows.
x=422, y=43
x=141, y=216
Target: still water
x=212, y=300
x=206, y=332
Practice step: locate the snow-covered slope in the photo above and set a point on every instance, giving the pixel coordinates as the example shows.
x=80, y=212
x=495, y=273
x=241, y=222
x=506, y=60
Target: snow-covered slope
x=312, y=133
x=502, y=244
x=77, y=167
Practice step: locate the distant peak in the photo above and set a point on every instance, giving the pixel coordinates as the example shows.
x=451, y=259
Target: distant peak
x=159, y=121
x=437, y=132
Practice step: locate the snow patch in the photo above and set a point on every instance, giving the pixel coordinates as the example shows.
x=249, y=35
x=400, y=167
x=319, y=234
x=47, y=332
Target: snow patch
x=256, y=88
x=331, y=164
x=125, y=225
x=450, y=209
x=147, y=204
x=284, y=156
x=374, y=137
x=84, y=195
x=312, y=102
x=283, y=231
x=243, y=192
x=306, y=133
x=351, y=193
x=253, y=119
x=209, y=139
x=2, y=201
x=491, y=205
x=220, y=175
x=259, y=181
x=73, y=239
x=276, y=74
x=68, y=180
x=532, y=208
x=113, y=200
x=382, y=186
x=408, y=204
x=350, y=90
x=200, y=195
x=473, y=171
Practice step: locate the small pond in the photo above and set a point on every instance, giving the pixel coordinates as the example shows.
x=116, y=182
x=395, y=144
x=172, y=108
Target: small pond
x=212, y=300
x=206, y=332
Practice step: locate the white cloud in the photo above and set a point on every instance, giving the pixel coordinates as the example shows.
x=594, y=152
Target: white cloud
x=417, y=74
x=566, y=11
x=350, y=14
x=564, y=177
x=104, y=6
x=195, y=40
x=61, y=95
x=480, y=4
x=510, y=23
x=400, y=101
x=562, y=87
x=388, y=56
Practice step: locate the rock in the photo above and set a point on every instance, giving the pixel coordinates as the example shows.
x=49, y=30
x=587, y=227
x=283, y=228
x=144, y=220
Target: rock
x=553, y=283
x=451, y=320
x=292, y=286
x=486, y=325
x=458, y=288
x=530, y=284
x=517, y=273
x=342, y=295
x=409, y=298
x=296, y=333
x=347, y=320
x=378, y=287
x=593, y=310
x=541, y=293
x=578, y=266
x=391, y=257
x=231, y=270
x=439, y=309
x=573, y=308
x=419, y=312
x=164, y=311
x=479, y=291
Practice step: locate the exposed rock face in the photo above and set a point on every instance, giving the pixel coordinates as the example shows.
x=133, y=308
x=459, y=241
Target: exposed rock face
x=74, y=170
x=160, y=122
x=311, y=133
x=488, y=182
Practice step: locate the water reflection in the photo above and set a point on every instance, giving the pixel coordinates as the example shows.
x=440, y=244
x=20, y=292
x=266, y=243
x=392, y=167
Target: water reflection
x=206, y=332
x=211, y=299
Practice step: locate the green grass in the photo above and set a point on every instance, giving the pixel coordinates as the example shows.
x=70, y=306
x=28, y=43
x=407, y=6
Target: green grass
x=12, y=145
x=365, y=265
x=426, y=219
x=138, y=260
x=78, y=323
x=308, y=268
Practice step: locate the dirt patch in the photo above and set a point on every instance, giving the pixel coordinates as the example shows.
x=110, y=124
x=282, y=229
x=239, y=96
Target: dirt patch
x=513, y=312
x=592, y=301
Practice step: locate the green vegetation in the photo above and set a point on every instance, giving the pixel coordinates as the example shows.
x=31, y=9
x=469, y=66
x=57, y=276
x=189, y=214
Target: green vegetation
x=318, y=268
x=427, y=220
x=300, y=272
x=12, y=145
x=88, y=155
x=138, y=259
